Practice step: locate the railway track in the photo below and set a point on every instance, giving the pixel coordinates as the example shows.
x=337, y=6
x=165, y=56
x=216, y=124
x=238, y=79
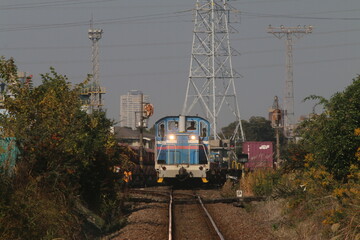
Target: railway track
x=166, y=213
x=189, y=218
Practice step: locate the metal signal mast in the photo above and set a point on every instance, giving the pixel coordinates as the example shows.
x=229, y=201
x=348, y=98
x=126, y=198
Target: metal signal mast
x=95, y=90
x=289, y=32
x=211, y=78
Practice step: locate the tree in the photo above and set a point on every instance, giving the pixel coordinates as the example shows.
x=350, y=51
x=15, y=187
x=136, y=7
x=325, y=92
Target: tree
x=256, y=129
x=331, y=136
x=66, y=157
x=56, y=138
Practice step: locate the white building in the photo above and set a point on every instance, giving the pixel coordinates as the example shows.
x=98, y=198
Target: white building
x=23, y=78
x=130, y=108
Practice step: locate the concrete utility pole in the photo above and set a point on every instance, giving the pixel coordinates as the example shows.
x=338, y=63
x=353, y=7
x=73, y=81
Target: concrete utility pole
x=96, y=92
x=146, y=111
x=288, y=33
x=276, y=123
x=141, y=129
x=211, y=78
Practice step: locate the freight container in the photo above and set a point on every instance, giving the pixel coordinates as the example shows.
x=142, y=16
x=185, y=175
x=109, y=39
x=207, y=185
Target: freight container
x=260, y=155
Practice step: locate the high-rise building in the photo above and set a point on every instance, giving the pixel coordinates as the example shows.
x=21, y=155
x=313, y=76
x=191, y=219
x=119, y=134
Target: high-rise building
x=130, y=108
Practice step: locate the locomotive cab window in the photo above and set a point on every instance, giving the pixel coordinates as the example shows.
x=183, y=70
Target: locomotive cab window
x=173, y=125
x=161, y=130
x=203, y=129
x=191, y=125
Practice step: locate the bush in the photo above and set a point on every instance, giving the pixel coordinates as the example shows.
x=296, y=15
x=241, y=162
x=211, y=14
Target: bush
x=329, y=206
x=33, y=214
x=259, y=182
x=63, y=176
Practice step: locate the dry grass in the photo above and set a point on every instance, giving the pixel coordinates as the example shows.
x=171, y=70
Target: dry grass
x=246, y=184
x=228, y=189
x=273, y=213
x=323, y=209
x=258, y=183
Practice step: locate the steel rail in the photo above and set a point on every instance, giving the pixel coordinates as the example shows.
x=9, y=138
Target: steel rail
x=211, y=220
x=170, y=215
x=152, y=192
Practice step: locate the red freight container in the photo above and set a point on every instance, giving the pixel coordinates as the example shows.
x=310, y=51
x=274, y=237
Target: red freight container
x=260, y=154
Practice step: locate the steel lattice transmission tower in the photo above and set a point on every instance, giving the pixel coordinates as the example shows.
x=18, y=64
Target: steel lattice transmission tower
x=288, y=33
x=95, y=90
x=211, y=78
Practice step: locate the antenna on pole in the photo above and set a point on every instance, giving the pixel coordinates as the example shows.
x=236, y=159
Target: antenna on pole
x=211, y=78
x=288, y=33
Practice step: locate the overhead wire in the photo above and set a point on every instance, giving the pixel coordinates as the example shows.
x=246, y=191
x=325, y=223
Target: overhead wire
x=142, y=18
x=166, y=43
x=183, y=57
x=137, y=74
x=174, y=57
x=125, y=45
x=48, y=4
x=304, y=62
x=298, y=16
x=102, y=22
x=157, y=16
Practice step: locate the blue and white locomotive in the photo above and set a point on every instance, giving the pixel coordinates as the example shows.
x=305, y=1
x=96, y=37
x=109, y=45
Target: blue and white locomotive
x=182, y=148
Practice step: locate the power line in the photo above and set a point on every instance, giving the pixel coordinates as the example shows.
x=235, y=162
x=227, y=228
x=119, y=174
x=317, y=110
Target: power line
x=263, y=1
x=266, y=15
x=141, y=19
x=167, y=57
x=304, y=62
x=137, y=74
x=48, y=4
x=302, y=48
x=125, y=45
x=169, y=43
x=102, y=22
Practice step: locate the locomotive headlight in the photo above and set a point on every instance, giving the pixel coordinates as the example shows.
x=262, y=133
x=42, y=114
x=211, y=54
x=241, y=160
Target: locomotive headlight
x=192, y=137
x=171, y=137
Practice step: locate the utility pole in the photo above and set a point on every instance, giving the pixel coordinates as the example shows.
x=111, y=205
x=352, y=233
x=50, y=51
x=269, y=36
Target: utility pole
x=211, y=78
x=141, y=129
x=276, y=120
x=146, y=111
x=288, y=33
x=96, y=91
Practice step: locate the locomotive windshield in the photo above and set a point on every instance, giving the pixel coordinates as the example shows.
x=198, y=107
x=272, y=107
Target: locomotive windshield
x=173, y=125
x=161, y=130
x=204, y=129
x=191, y=125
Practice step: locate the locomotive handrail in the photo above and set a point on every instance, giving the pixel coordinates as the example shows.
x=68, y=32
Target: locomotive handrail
x=161, y=149
x=158, y=155
x=204, y=146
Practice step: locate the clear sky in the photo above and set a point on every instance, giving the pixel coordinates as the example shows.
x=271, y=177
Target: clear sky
x=146, y=46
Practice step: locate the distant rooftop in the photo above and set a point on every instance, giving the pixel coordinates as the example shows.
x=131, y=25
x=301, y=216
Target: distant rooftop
x=134, y=92
x=128, y=133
